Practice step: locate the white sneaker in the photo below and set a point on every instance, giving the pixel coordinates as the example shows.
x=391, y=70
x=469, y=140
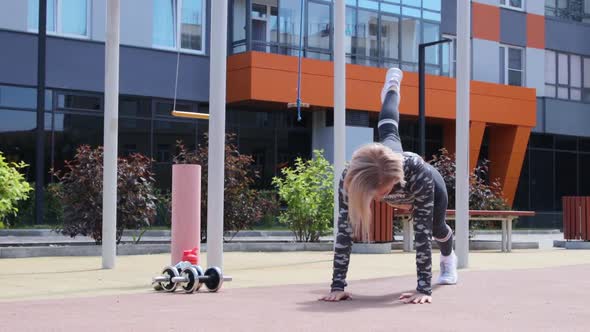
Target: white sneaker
x=448, y=270
x=393, y=81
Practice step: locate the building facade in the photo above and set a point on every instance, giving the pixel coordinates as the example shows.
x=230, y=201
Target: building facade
x=530, y=97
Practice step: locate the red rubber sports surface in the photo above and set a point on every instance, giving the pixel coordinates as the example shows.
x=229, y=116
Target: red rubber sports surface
x=549, y=299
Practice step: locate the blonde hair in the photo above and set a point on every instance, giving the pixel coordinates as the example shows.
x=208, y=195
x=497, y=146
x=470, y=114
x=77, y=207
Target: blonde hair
x=372, y=166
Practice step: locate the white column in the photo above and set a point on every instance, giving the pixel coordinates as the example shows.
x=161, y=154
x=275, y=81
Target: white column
x=217, y=79
x=111, y=128
x=339, y=100
x=462, y=131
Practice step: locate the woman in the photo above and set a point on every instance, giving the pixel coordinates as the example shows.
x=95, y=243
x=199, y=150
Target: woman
x=383, y=171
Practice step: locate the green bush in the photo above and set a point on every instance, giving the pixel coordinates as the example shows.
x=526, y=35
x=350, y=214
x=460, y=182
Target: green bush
x=163, y=207
x=81, y=193
x=52, y=210
x=308, y=191
x=243, y=206
x=13, y=187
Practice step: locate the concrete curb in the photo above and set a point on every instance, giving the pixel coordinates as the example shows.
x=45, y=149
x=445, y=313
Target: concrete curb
x=577, y=245
x=159, y=248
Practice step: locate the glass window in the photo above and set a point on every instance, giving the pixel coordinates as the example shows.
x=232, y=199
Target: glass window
x=562, y=70
x=191, y=25
x=33, y=15
x=350, y=29
x=542, y=180
x=72, y=130
x=431, y=33
x=68, y=17
x=410, y=39
x=515, y=4
x=550, y=67
x=164, y=108
x=79, y=102
x=575, y=71
x=134, y=136
x=432, y=4
x=318, y=26
x=239, y=26
x=565, y=176
x=289, y=19
x=583, y=166
x=391, y=9
x=369, y=4
x=73, y=17
x=164, y=17
x=12, y=96
x=587, y=72
x=366, y=39
x=449, y=56
x=188, y=32
x=389, y=37
x=512, y=66
x=135, y=107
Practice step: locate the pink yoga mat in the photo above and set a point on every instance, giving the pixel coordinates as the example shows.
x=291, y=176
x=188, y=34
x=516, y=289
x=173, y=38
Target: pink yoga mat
x=186, y=210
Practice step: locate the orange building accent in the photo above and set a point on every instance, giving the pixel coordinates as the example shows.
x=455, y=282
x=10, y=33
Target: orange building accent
x=535, y=31
x=485, y=21
x=271, y=78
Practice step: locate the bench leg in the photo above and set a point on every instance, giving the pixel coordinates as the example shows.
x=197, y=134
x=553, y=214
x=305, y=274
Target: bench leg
x=408, y=235
x=504, y=236
x=509, y=247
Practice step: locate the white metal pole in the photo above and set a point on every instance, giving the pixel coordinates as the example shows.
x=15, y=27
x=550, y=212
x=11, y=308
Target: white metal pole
x=339, y=101
x=111, y=124
x=217, y=79
x=462, y=131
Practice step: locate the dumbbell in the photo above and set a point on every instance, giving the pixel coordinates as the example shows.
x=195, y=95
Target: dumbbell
x=191, y=279
x=164, y=281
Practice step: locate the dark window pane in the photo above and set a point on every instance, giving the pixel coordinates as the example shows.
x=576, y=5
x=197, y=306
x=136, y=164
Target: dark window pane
x=166, y=134
x=566, y=142
x=565, y=176
x=73, y=130
x=541, y=141
x=134, y=136
x=514, y=78
x=78, y=102
x=129, y=106
x=17, y=139
x=521, y=200
x=12, y=96
x=584, y=166
x=584, y=144
x=542, y=190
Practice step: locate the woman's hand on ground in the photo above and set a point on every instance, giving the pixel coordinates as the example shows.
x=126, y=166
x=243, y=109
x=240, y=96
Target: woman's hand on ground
x=416, y=298
x=336, y=296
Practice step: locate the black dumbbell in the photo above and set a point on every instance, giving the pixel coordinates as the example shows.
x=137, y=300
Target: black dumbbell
x=191, y=279
x=213, y=279
x=164, y=281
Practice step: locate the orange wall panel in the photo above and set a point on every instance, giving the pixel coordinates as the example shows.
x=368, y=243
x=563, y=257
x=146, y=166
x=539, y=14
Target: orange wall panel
x=485, y=21
x=535, y=31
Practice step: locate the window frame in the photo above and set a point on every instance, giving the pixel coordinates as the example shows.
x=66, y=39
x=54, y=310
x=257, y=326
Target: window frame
x=177, y=31
x=507, y=5
x=57, y=17
x=583, y=80
x=507, y=68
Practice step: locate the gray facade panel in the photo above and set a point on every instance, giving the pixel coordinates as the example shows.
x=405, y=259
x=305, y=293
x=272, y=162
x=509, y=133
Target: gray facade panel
x=19, y=58
x=567, y=36
x=512, y=27
x=14, y=15
x=540, y=128
x=564, y=117
x=79, y=65
x=449, y=17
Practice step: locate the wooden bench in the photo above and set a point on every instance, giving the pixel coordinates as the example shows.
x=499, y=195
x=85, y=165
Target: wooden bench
x=506, y=217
